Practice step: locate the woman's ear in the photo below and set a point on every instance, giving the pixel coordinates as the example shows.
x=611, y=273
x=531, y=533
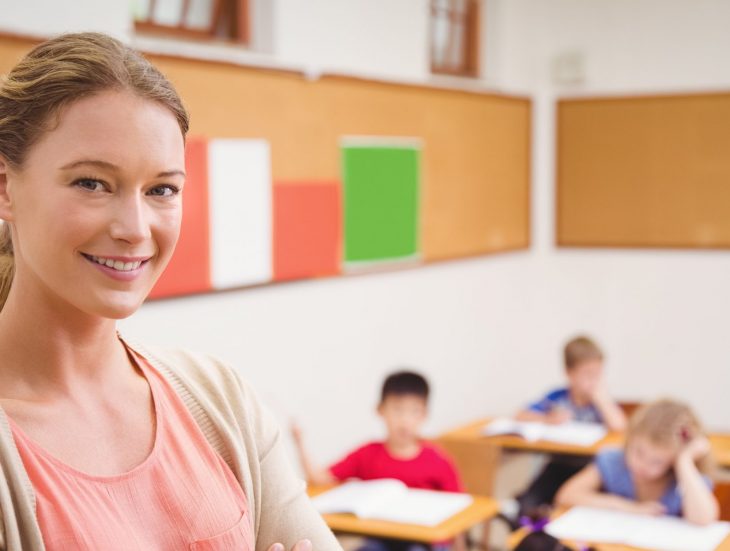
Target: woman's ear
x=6, y=212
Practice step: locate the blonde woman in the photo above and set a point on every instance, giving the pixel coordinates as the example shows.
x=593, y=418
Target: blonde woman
x=105, y=444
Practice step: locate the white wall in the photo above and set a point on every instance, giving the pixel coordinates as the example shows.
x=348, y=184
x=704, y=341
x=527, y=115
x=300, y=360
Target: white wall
x=49, y=17
x=663, y=316
x=627, y=45
x=378, y=37
x=488, y=331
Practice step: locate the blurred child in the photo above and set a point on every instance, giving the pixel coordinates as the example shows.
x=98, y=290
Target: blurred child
x=404, y=455
x=540, y=541
x=660, y=470
x=585, y=399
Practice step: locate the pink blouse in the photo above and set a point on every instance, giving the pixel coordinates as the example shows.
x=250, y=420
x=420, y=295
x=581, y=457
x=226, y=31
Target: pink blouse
x=182, y=496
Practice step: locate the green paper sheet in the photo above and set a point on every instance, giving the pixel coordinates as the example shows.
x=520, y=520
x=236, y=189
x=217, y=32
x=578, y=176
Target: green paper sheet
x=381, y=198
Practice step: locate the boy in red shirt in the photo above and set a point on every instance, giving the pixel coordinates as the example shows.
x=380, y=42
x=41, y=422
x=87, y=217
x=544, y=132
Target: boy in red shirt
x=403, y=455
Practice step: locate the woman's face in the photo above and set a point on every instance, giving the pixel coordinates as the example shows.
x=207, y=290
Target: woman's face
x=96, y=206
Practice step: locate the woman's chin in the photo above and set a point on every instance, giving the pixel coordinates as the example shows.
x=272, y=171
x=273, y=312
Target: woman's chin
x=119, y=307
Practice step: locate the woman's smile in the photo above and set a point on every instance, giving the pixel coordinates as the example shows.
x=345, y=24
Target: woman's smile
x=121, y=268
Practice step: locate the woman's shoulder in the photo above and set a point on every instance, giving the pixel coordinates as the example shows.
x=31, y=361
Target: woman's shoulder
x=209, y=379
x=182, y=361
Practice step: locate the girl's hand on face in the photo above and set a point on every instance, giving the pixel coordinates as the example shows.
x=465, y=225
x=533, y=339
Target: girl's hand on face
x=651, y=508
x=301, y=545
x=696, y=449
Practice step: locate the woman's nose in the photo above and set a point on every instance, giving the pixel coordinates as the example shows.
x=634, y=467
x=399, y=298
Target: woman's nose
x=130, y=220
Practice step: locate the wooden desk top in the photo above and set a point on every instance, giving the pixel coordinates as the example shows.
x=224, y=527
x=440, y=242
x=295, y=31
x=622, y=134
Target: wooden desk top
x=481, y=509
x=516, y=537
x=473, y=432
x=721, y=449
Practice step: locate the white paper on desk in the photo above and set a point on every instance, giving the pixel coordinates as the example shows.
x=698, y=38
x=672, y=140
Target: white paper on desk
x=588, y=524
x=503, y=426
x=574, y=433
x=391, y=500
x=361, y=498
x=570, y=433
x=422, y=507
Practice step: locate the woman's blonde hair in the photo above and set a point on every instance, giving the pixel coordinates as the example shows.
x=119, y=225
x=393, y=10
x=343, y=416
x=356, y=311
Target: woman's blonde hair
x=55, y=74
x=668, y=424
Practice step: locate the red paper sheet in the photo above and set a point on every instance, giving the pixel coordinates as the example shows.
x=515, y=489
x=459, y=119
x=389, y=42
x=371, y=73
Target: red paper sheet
x=307, y=230
x=189, y=269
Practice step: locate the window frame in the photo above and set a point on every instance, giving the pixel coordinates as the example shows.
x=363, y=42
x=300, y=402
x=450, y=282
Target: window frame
x=471, y=43
x=242, y=13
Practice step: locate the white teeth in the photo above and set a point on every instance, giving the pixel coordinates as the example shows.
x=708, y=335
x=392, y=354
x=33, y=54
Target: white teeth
x=117, y=264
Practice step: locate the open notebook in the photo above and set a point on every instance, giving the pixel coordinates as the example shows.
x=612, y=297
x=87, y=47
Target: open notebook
x=572, y=433
x=391, y=500
x=587, y=524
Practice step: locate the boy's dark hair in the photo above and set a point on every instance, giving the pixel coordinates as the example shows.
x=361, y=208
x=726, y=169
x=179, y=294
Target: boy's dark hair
x=404, y=383
x=579, y=350
x=540, y=541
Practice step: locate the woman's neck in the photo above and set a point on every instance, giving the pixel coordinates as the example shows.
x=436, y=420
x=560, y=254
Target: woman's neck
x=51, y=347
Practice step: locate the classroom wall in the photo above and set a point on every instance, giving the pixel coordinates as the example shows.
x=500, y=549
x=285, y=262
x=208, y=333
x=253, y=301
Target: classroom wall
x=626, y=46
x=377, y=37
x=487, y=331
x=662, y=315
x=48, y=17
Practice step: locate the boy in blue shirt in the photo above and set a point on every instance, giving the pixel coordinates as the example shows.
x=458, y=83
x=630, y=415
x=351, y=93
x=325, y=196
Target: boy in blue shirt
x=585, y=399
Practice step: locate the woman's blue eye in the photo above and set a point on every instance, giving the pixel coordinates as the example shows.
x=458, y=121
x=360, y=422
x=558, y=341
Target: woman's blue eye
x=90, y=184
x=165, y=190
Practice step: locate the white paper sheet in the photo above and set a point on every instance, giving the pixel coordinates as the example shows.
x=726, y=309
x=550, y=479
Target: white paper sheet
x=573, y=433
x=570, y=433
x=391, y=500
x=240, y=212
x=422, y=507
x=587, y=524
x=503, y=426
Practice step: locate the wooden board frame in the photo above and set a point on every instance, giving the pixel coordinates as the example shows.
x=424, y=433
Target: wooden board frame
x=476, y=178
x=665, y=153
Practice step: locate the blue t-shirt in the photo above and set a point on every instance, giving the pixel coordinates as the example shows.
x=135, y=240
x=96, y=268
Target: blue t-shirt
x=616, y=479
x=561, y=399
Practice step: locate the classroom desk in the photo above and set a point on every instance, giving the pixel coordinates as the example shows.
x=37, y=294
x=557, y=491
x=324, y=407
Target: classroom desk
x=721, y=449
x=480, y=510
x=472, y=432
x=516, y=537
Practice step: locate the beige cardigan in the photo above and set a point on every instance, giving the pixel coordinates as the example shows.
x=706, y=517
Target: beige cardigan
x=235, y=424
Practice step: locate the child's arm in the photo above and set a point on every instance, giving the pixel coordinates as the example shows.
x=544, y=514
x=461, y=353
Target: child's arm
x=314, y=473
x=699, y=505
x=585, y=489
x=612, y=414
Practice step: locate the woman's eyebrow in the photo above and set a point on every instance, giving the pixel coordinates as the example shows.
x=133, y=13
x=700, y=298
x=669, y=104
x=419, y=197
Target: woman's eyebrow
x=91, y=162
x=169, y=173
x=114, y=168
